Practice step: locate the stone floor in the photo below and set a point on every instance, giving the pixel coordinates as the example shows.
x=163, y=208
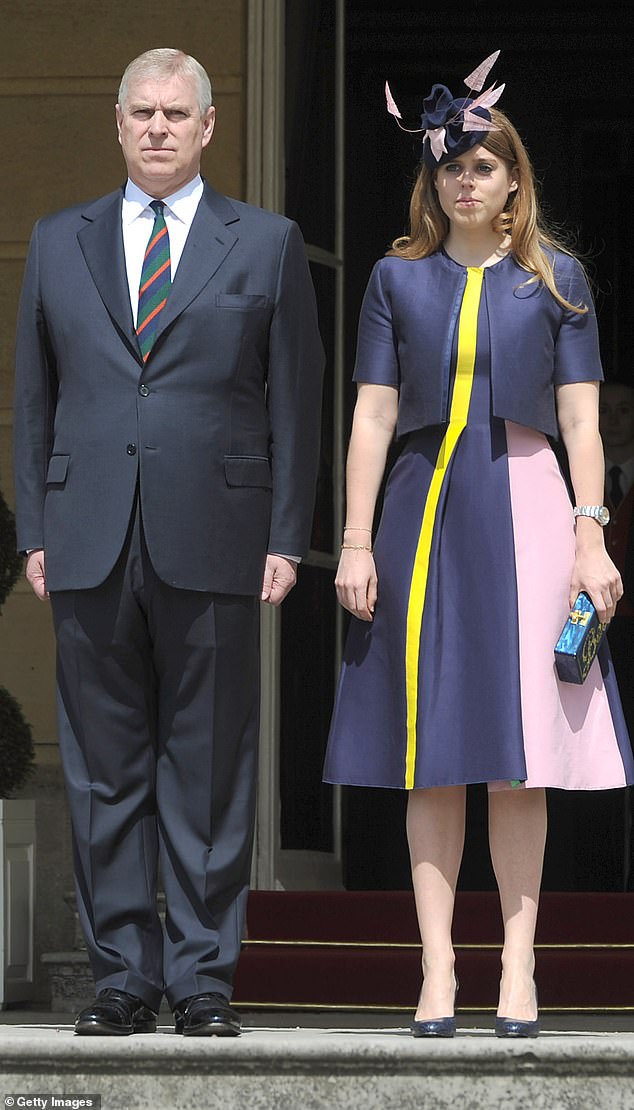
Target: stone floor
x=311, y=1061
x=560, y=1022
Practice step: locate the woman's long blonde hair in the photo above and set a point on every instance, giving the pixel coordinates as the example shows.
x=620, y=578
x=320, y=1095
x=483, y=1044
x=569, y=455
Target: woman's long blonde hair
x=532, y=244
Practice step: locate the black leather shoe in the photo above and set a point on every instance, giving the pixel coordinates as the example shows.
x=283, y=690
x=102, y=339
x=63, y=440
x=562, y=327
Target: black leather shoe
x=206, y=1015
x=115, y=1013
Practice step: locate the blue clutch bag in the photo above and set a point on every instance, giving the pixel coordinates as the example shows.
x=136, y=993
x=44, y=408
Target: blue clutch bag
x=579, y=641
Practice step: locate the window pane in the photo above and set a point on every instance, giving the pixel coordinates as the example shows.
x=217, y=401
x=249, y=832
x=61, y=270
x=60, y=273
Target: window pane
x=310, y=119
x=323, y=526
x=307, y=692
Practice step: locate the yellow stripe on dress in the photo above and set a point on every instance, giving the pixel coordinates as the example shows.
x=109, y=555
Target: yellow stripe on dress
x=465, y=363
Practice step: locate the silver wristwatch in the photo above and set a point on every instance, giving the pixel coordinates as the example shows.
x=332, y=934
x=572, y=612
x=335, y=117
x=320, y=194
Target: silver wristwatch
x=597, y=512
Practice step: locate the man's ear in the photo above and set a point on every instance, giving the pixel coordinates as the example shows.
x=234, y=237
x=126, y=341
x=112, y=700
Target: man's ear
x=209, y=120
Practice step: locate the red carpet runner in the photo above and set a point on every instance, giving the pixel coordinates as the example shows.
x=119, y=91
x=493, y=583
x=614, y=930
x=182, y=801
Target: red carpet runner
x=360, y=950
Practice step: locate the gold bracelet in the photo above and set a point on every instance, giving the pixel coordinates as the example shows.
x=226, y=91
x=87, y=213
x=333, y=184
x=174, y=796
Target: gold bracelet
x=356, y=547
x=356, y=528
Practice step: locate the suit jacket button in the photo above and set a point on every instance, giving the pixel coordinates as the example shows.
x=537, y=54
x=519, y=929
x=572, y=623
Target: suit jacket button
x=144, y=391
x=131, y=449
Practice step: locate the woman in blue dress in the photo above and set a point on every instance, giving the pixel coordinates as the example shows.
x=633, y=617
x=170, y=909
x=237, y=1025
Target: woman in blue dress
x=477, y=341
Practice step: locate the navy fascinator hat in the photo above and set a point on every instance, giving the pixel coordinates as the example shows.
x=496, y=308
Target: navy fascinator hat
x=452, y=125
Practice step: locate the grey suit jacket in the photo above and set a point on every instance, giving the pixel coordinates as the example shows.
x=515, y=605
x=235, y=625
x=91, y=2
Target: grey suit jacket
x=220, y=429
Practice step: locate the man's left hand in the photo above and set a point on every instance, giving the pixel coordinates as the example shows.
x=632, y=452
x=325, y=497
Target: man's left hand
x=280, y=575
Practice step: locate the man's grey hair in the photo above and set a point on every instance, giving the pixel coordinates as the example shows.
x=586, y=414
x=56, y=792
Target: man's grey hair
x=164, y=63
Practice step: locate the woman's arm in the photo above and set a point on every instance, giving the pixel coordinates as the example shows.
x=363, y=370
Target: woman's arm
x=372, y=431
x=594, y=571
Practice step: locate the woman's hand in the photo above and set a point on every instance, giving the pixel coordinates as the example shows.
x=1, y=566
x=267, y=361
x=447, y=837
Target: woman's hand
x=595, y=573
x=356, y=583
x=373, y=426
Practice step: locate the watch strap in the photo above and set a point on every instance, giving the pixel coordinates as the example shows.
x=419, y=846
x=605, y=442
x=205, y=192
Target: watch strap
x=600, y=513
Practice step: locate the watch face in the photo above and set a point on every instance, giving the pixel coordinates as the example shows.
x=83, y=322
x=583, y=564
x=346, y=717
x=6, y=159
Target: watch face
x=603, y=515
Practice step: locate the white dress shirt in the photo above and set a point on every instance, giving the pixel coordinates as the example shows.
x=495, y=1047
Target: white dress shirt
x=137, y=218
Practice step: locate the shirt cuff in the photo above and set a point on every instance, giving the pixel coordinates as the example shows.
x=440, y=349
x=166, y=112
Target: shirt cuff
x=291, y=558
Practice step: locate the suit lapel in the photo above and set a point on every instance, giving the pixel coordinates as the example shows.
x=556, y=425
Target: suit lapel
x=101, y=241
x=208, y=243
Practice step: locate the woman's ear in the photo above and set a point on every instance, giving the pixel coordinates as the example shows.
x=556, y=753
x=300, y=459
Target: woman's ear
x=514, y=182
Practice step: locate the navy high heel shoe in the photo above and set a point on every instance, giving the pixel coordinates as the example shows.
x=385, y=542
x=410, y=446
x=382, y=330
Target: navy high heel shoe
x=513, y=1027
x=435, y=1027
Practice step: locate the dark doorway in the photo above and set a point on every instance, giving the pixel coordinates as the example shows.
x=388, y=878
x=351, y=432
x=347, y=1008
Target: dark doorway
x=568, y=72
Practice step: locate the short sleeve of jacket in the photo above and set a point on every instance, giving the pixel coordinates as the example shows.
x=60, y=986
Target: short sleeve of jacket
x=577, y=357
x=377, y=358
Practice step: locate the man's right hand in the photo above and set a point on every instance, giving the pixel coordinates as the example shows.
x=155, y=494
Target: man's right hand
x=35, y=574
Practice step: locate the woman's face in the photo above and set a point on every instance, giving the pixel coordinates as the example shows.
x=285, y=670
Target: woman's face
x=473, y=188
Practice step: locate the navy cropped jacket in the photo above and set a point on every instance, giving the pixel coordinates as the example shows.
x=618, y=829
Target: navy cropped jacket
x=406, y=335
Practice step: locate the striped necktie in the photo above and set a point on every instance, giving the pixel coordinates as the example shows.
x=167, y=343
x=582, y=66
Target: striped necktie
x=156, y=281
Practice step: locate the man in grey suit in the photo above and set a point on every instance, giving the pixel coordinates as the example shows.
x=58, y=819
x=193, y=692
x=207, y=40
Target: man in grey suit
x=166, y=435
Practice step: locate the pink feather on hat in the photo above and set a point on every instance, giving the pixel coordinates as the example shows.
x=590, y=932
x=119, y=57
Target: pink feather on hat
x=468, y=117
x=476, y=79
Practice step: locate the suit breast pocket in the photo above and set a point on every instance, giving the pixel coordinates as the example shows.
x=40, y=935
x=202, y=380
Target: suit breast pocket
x=242, y=302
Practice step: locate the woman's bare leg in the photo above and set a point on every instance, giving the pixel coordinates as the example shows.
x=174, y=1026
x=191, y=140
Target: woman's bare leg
x=435, y=831
x=517, y=837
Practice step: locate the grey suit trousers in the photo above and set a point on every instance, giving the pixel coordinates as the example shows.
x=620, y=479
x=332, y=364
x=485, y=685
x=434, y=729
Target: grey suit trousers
x=158, y=697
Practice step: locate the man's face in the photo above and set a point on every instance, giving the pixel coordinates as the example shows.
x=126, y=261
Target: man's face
x=162, y=133
x=616, y=416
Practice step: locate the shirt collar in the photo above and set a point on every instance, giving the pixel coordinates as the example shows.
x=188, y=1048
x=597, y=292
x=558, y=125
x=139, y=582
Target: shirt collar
x=182, y=204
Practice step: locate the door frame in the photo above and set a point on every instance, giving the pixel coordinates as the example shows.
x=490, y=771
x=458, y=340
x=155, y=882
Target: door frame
x=274, y=867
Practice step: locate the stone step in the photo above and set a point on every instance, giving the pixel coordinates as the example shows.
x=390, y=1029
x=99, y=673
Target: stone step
x=351, y=1069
